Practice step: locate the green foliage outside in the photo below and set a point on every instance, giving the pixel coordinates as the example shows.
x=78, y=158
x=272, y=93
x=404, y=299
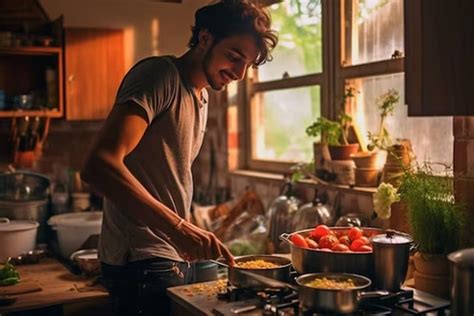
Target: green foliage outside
x=307, y=40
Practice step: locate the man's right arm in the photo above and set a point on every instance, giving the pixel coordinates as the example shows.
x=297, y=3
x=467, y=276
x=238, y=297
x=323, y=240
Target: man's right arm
x=106, y=171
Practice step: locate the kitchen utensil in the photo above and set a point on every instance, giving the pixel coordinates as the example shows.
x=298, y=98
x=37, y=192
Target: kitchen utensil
x=312, y=214
x=74, y=229
x=462, y=282
x=332, y=301
x=241, y=280
x=307, y=260
x=87, y=260
x=16, y=237
x=391, y=255
x=353, y=220
x=23, y=186
x=280, y=214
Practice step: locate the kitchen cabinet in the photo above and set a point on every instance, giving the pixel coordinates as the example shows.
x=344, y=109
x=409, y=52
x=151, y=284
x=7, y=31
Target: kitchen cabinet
x=439, y=61
x=95, y=65
x=33, y=74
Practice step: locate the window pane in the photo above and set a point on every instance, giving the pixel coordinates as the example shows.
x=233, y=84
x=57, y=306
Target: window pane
x=373, y=29
x=299, y=48
x=431, y=137
x=279, y=121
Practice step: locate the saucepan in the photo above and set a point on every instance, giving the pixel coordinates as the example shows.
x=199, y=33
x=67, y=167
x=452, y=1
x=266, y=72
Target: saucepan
x=329, y=300
x=239, y=278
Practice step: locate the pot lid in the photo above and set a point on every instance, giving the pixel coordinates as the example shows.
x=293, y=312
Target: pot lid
x=79, y=219
x=392, y=238
x=463, y=258
x=7, y=225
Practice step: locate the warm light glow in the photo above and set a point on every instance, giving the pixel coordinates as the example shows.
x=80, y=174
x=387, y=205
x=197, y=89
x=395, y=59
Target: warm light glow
x=129, y=46
x=155, y=34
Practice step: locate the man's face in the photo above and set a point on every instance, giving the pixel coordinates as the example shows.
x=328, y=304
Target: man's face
x=228, y=60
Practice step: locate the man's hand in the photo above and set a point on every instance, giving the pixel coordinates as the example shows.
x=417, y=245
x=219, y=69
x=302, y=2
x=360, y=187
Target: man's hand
x=195, y=243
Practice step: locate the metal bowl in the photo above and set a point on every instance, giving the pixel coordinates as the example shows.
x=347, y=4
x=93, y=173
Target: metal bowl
x=331, y=300
x=88, y=261
x=240, y=280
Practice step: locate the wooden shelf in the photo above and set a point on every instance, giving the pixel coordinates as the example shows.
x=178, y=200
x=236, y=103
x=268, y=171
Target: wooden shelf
x=31, y=50
x=40, y=113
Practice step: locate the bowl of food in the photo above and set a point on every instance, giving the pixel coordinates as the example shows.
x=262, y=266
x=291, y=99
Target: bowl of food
x=332, y=292
x=332, y=249
x=274, y=267
x=88, y=261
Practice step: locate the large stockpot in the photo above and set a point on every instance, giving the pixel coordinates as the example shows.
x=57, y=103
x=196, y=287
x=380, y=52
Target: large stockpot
x=240, y=280
x=316, y=260
x=334, y=301
x=462, y=282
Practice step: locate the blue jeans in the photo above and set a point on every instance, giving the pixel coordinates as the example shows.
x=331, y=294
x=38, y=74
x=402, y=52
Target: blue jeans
x=139, y=288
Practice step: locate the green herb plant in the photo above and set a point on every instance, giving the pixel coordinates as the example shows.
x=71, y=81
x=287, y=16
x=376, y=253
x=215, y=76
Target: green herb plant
x=8, y=274
x=386, y=104
x=334, y=133
x=436, y=220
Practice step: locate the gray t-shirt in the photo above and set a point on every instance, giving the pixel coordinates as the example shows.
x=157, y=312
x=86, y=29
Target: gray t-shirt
x=161, y=161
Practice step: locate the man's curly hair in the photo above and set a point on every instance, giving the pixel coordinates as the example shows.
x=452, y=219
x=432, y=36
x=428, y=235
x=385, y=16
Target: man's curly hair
x=231, y=17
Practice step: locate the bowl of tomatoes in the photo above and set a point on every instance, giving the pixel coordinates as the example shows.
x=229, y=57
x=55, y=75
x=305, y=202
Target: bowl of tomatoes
x=332, y=249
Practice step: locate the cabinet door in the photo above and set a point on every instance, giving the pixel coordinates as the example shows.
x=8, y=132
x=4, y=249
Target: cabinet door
x=94, y=68
x=439, y=61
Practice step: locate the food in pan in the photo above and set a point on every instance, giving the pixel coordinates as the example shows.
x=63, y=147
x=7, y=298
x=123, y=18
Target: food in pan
x=256, y=264
x=329, y=284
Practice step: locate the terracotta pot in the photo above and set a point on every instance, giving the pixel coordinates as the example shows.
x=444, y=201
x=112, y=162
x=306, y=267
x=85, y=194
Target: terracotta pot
x=365, y=159
x=344, y=170
x=400, y=155
x=343, y=152
x=431, y=283
x=366, y=177
x=392, y=174
x=432, y=274
x=431, y=264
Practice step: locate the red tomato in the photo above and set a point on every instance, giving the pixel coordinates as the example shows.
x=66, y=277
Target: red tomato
x=311, y=243
x=356, y=244
x=365, y=248
x=345, y=240
x=328, y=241
x=340, y=247
x=299, y=241
x=354, y=233
x=320, y=231
x=365, y=240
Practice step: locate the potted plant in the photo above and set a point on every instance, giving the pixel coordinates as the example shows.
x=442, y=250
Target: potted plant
x=380, y=141
x=436, y=222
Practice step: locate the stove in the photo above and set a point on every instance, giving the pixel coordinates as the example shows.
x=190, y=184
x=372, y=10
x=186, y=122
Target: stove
x=284, y=302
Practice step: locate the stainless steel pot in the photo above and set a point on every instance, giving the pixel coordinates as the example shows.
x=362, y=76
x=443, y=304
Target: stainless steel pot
x=332, y=300
x=391, y=256
x=241, y=280
x=462, y=282
x=315, y=260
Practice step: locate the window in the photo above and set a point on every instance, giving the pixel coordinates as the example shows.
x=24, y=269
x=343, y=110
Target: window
x=323, y=46
x=285, y=94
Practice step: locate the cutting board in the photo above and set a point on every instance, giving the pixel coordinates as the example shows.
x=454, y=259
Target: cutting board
x=20, y=288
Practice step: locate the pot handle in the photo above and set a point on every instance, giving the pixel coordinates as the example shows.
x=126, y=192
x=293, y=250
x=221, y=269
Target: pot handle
x=4, y=221
x=286, y=238
x=373, y=294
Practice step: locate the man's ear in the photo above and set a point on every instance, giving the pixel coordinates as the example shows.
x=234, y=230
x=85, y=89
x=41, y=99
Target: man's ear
x=205, y=39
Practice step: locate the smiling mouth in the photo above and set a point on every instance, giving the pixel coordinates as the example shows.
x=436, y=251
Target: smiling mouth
x=226, y=77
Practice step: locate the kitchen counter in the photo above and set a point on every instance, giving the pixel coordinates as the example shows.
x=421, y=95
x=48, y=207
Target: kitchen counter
x=55, y=285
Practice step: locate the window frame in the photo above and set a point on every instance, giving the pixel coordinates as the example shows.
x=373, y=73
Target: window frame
x=333, y=55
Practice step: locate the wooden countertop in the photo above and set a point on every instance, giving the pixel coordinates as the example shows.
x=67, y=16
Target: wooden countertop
x=58, y=286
